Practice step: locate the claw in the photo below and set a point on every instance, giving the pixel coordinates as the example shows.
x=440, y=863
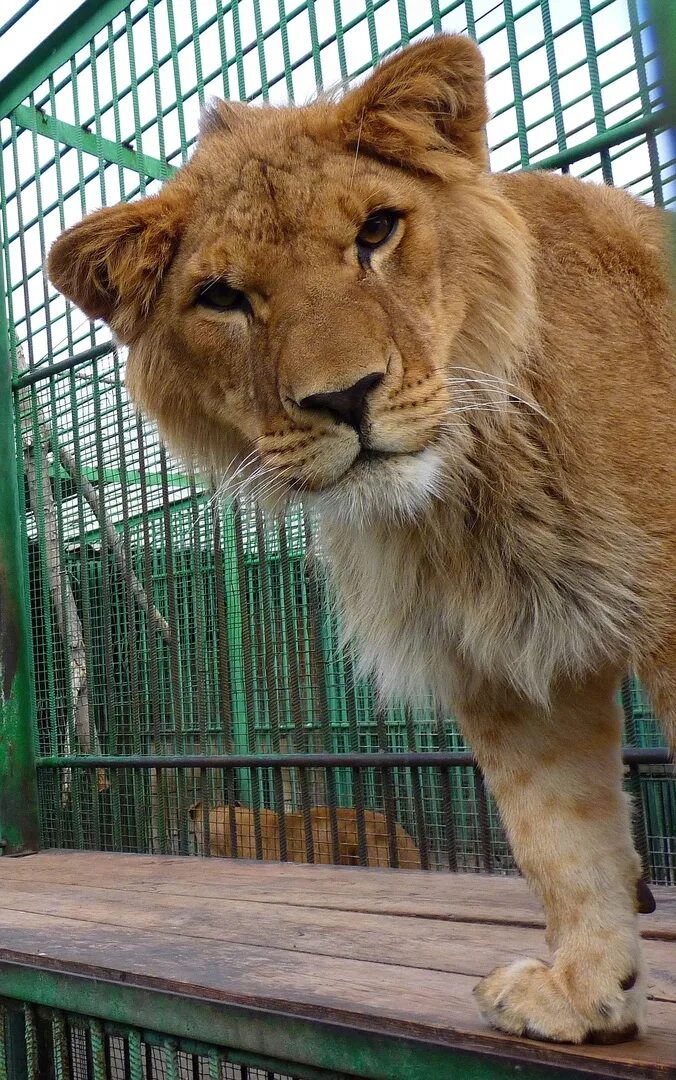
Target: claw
x=609, y=1038
x=645, y=901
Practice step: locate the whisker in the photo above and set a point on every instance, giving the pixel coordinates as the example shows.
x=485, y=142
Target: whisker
x=265, y=482
x=225, y=482
x=489, y=379
x=478, y=407
x=356, y=153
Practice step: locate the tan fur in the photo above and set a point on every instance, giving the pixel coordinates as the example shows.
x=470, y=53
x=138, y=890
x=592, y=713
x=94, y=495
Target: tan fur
x=375, y=834
x=515, y=552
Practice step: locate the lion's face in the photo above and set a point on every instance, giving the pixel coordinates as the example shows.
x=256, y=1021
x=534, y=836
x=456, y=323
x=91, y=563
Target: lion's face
x=302, y=316
x=291, y=298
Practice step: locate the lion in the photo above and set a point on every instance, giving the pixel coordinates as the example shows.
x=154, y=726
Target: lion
x=469, y=378
x=377, y=852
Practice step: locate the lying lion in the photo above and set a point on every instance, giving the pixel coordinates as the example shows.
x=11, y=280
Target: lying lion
x=375, y=827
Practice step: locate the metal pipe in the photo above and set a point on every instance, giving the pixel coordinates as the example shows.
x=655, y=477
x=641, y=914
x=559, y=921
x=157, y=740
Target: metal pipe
x=432, y=759
x=18, y=785
x=47, y=370
x=605, y=141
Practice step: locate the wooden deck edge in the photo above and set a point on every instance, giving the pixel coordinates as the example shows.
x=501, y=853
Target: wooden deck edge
x=385, y=1050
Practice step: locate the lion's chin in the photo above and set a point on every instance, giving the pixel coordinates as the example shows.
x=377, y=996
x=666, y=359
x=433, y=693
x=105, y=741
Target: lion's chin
x=381, y=488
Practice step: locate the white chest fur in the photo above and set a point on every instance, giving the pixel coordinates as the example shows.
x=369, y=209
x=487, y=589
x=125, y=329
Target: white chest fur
x=414, y=603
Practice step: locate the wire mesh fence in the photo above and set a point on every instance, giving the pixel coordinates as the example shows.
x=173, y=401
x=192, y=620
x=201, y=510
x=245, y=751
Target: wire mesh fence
x=41, y=1042
x=163, y=623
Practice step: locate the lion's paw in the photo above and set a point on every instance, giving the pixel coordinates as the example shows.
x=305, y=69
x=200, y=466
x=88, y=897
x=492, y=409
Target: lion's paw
x=528, y=998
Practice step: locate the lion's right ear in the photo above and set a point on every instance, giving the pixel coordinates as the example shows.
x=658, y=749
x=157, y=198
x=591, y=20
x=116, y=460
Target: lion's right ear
x=112, y=264
x=220, y=117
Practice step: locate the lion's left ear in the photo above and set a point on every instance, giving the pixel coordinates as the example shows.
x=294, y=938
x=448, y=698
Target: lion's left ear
x=424, y=103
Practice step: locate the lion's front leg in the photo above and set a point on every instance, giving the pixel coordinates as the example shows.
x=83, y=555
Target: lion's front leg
x=557, y=778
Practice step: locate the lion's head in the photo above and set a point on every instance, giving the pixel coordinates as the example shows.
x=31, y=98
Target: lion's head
x=292, y=298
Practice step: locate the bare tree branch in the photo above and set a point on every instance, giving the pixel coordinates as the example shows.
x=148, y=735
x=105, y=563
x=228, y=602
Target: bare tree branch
x=117, y=546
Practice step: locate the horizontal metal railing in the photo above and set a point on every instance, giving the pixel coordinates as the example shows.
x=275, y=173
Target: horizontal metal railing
x=440, y=759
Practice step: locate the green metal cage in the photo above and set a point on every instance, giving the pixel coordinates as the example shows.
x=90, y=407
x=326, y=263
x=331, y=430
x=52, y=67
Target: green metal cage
x=157, y=648
x=148, y=624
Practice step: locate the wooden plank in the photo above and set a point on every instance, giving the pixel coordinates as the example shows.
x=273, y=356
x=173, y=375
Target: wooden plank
x=463, y=948
x=470, y=897
x=435, y=1005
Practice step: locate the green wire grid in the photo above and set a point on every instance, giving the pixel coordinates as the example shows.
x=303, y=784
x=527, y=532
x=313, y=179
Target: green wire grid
x=234, y=650
x=70, y=1046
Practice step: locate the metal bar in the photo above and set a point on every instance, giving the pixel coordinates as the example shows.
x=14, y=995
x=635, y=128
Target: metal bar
x=82, y=139
x=198, y=615
x=265, y=627
x=387, y=787
x=50, y=370
x=664, y=18
x=277, y=1036
x=357, y=779
x=133, y=81
x=4, y=1064
x=517, y=92
x=291, y=625
x=108, y=718
x=318, y=666
x=15, y=1044
x=230, y=785
x=180, y=112
x=151, y=637
x=13, y=19
x=656, y=121
x=631, y=755
x=646, y=105
x=634, y=780
x=278, y=794
x=267, y=658
x=75, y=31
x=60, y=1047
x=450, y=835
x=18, y=785
x=39, y=1044
x=483, y=822
x=246, y=734
x=132, y=674
x=222, y=639
x=97, y=1047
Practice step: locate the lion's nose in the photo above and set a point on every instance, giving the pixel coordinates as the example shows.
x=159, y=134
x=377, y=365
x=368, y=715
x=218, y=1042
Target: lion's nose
x=348, y=406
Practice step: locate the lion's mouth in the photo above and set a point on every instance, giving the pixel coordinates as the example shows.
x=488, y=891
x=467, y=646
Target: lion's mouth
x=367, y=456
x=383, y=485
x=367, y=463
x=369, y=466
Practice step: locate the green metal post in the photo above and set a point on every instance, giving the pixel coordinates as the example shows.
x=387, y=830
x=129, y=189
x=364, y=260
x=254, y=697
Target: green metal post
x=18, y=785
x=664, y=20
x=15, y=1043
x=76, y=30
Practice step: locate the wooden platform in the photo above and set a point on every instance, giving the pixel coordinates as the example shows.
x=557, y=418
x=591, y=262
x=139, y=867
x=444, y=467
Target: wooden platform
x=393, y=954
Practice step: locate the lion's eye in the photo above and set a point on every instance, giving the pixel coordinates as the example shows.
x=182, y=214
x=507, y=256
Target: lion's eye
x=376, y=229
x=222, y=297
